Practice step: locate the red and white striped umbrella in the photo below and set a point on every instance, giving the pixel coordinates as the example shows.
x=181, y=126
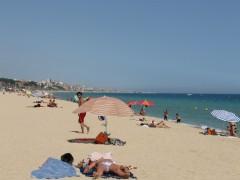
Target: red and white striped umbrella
x=146, y=103
x=105, y=106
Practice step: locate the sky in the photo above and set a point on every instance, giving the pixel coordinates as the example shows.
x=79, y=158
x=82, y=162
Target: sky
x=152, y=45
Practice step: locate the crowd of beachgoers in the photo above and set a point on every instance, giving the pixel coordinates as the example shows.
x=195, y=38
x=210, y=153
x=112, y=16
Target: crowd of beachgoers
x=231, y=128
x=98, y=164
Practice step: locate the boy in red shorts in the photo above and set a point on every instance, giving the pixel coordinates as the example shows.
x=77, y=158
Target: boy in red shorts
x=82, y=115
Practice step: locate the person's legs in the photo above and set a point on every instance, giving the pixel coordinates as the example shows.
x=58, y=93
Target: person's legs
x=81, y=121
x=161, y=122
x=120, y=171
x=99, y=172
x=125, y=169
x=162, y=125
x=84, y=125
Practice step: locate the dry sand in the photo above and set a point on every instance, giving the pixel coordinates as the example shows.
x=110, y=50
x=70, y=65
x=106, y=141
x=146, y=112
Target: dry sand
x=30, y=135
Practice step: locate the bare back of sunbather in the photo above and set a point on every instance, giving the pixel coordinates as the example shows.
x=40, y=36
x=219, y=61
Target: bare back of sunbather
x=107, y=165
x=158, y=125
x=161, y=125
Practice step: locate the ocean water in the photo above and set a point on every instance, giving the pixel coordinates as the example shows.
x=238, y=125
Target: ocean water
x=194, y=109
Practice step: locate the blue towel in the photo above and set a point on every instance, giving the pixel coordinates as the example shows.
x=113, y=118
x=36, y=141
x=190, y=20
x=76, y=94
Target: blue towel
x=54, y=169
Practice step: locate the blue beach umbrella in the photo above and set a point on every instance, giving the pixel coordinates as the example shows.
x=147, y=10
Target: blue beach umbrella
x=225, y=116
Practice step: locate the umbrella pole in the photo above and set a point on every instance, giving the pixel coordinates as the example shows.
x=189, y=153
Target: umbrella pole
x=106, y=126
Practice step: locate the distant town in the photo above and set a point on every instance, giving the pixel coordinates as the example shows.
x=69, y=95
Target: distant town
x=47, y=85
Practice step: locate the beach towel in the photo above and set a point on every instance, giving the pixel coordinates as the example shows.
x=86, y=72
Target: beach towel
x=116, y=142
x=105, y=175
x=113, y=141
x=54, y=169
x=83, y=140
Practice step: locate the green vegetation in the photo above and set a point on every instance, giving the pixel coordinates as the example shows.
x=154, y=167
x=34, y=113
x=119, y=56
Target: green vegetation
x=7, y=81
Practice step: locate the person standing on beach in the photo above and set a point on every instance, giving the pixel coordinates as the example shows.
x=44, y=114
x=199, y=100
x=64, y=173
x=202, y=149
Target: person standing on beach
x=142, y=111
x=232, y=129
x=165, y=115
x=82, y=115
x=178, y=118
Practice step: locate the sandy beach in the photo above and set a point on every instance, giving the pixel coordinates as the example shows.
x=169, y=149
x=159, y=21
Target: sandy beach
x=30, y=135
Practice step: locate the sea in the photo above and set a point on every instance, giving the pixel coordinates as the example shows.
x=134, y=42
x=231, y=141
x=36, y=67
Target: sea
x=194, y=109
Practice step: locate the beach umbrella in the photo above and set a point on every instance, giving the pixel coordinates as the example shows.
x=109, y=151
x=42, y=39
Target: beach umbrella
x=145, y=103
x=105, y=106
x=225, y=116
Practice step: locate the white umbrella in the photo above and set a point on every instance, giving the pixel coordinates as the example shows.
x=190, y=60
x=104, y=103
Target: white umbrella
x=225, y=116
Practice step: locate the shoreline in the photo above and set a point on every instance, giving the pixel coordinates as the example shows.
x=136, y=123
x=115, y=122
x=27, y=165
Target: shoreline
x=193, y=125
x=162, y=93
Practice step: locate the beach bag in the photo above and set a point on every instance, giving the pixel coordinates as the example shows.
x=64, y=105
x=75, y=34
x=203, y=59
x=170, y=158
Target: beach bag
x=117, y=142
x=101, y=138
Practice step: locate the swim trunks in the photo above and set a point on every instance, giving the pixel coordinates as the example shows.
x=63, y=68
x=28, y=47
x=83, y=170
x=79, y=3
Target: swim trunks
x=81, y=117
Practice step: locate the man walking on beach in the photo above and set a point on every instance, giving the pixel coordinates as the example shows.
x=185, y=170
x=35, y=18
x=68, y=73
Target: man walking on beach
x=82, y=115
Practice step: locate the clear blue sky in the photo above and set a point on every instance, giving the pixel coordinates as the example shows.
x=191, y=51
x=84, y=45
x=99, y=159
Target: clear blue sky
x=166, y=46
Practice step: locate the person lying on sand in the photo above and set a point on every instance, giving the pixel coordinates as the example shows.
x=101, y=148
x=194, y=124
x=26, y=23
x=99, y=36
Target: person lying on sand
x=209, y=131
x=67, y=158
x=142, y=119
x=161, y=124
x=105, y=166
x=52, y=103
x=39, y=101
x=102, y=166
x=38, y=105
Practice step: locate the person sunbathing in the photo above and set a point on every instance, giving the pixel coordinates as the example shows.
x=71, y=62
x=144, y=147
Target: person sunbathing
x=209, y=131
x=144, y=123
x=37, y=105
x=39, y=101
x=105, y=166
x=67, y=158
x=52, y=103
x=161, y=124
x=212, y=132
x=142, y=119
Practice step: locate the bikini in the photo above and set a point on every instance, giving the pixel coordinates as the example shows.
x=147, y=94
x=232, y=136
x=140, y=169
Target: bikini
x=106, y=164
